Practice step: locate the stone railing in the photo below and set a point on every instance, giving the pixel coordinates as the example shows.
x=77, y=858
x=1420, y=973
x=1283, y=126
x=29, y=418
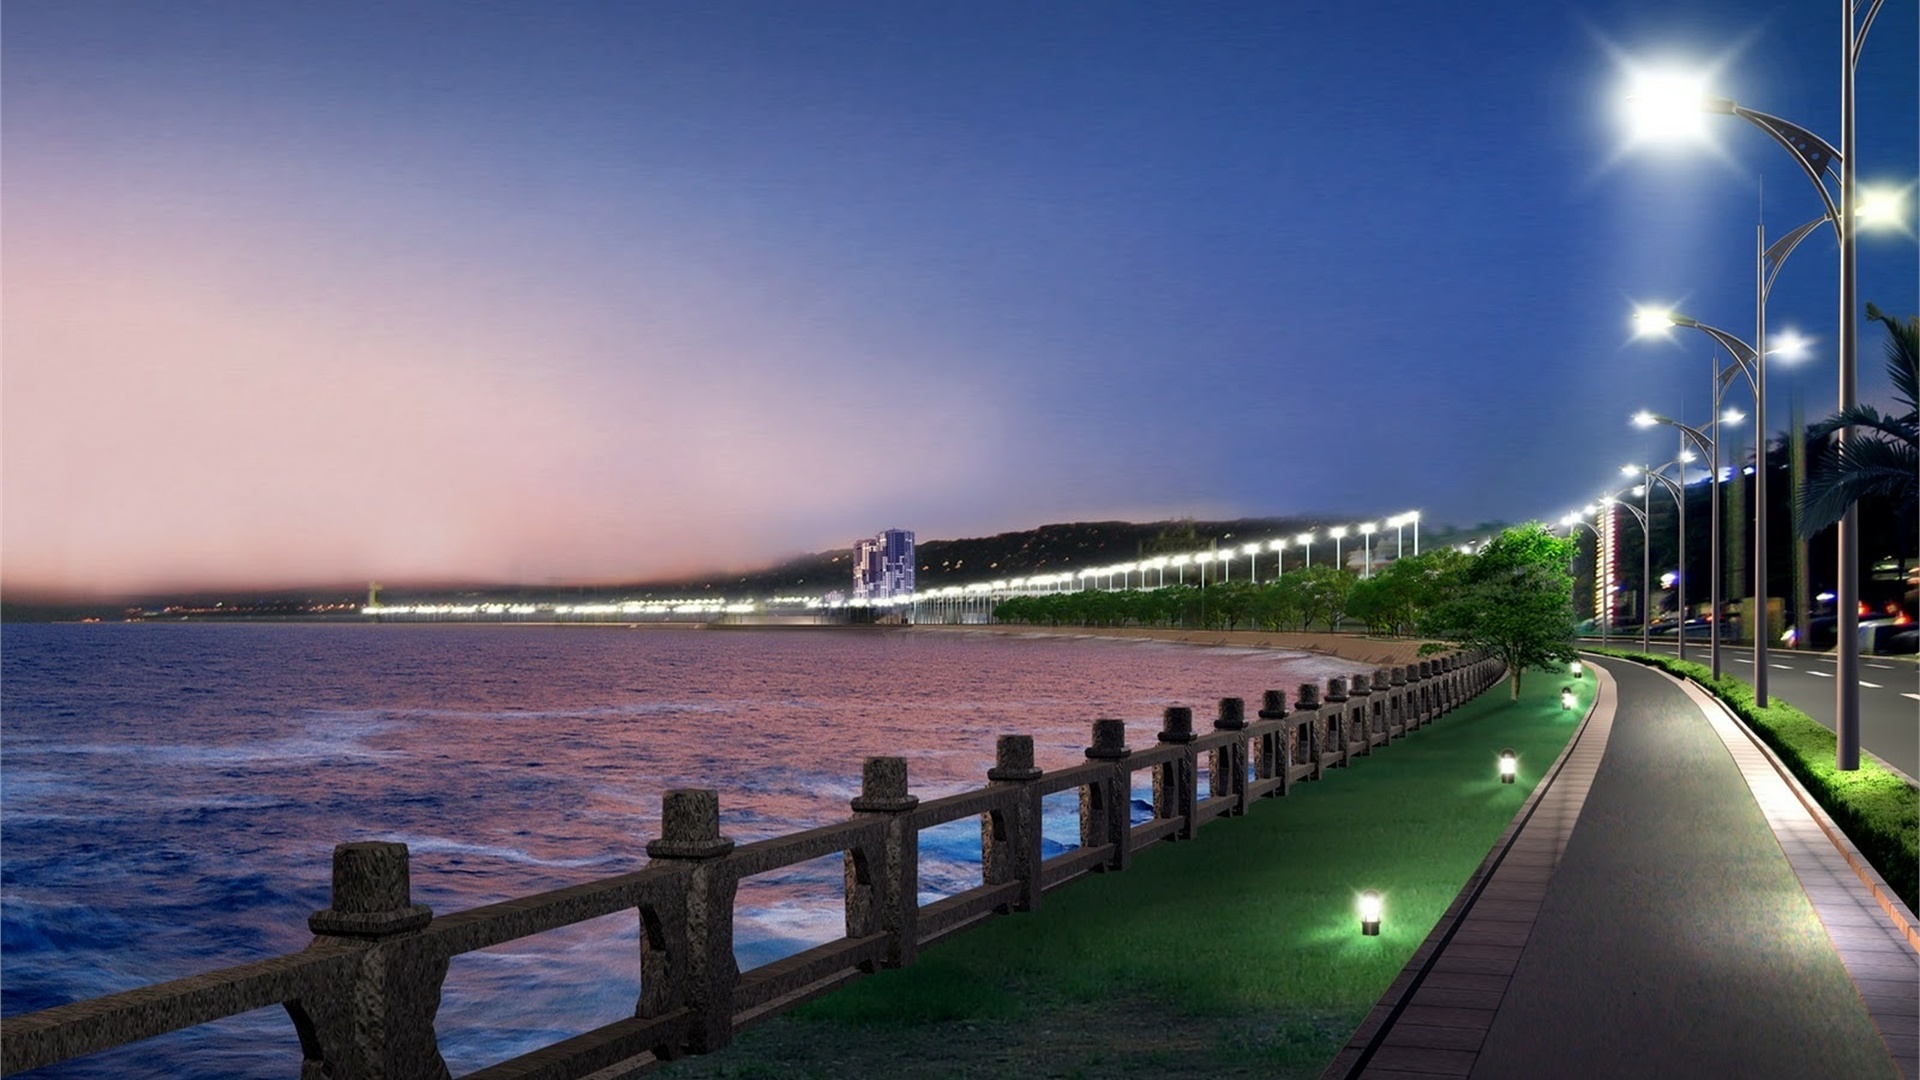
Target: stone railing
x=363, y=995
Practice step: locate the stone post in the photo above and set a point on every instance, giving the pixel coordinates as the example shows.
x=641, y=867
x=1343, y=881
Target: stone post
x=1360, y=716
x=381, y=1024
x=1333, y=742
x=885, y=898
x=1106, y=805
x=1307, y=708
x=1400, y=718
x=1174, y=782
x=1419, y=680
x=1227, y=771
x=690, y=837
x=1010, y=835
x=1382, y=705
x=1274, y=760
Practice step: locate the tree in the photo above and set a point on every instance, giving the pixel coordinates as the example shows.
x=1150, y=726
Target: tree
x=1515, y=600
x=1883, y=458
x=1319, y=594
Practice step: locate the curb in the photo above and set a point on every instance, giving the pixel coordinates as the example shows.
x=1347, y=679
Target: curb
x=1903, y=920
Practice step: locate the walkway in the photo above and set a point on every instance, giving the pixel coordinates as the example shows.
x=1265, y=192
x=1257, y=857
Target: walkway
x=1666, y=908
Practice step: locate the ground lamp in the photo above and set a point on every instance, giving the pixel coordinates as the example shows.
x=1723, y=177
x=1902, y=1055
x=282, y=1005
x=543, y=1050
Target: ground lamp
x=1508, y=765
x=1575, y=668
x=1370, y=914
x=1566, y=698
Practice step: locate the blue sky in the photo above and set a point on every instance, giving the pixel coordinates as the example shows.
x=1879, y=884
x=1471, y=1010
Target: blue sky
x=575, y=291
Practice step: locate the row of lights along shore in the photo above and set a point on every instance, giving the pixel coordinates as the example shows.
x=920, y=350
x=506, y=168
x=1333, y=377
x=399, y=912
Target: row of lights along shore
x=1159, y=565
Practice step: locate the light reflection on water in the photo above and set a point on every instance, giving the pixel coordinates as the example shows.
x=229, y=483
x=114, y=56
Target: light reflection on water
x=171, y=794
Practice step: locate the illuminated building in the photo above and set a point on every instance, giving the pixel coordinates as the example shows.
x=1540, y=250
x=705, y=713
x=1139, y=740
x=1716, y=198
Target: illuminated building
x=883, y=566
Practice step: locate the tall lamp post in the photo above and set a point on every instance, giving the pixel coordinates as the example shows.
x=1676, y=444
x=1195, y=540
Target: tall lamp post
x=1337, y=532
x=1279, y=549
x=1367, y=530
x=1747, y=361
x=1678, y=490
x=1817, y=158
x=1705, y=444
x=1305, y=540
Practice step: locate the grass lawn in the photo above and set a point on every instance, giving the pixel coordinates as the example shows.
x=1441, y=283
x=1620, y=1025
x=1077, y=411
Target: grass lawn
x=1242, y=944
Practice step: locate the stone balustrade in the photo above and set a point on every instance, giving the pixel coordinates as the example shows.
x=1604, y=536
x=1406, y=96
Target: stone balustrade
x=363, y=995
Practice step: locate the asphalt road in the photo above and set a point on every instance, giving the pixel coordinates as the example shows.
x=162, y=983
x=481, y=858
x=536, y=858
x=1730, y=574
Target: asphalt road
x=1889, y=692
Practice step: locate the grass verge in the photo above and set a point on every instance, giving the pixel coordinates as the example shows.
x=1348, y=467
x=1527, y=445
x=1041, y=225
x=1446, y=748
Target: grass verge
x=1244, y=939
x=1877, y=810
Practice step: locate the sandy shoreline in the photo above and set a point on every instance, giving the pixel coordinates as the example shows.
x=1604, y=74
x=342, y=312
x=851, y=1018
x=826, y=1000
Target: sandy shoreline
x=1385, y=652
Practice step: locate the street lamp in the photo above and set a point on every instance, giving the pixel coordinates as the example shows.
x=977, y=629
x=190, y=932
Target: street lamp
x=1279, y=548
x=1706, y=445
x=1816, y=157
x=1305, y=540
x=1337, y=532
x=1252, y=552
x=1678, y=489
x=1180, y=564
x=1367, y=529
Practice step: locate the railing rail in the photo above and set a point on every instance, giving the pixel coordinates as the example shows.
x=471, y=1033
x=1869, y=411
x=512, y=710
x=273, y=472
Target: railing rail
x=362, y=996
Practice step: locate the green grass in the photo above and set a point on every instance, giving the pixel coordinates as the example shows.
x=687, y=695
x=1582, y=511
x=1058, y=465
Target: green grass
x=1877, y=810
x=1257, y=913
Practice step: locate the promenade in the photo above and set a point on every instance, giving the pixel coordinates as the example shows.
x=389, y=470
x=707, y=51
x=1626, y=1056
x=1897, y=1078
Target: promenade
x=1666, y=906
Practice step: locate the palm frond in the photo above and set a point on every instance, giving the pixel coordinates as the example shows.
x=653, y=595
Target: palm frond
x=1862, y=468
x=1903, y=355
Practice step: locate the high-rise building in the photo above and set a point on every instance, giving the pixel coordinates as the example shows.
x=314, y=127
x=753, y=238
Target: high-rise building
x=883, y=566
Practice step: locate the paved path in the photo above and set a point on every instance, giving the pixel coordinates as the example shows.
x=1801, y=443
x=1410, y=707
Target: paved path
x=1667, y=908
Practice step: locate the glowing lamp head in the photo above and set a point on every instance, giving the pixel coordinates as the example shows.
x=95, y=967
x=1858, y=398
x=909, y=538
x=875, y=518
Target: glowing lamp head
x=1509, y=765
x=1879, y=208
x=1644, y=419
x=1732, y=416
x=1653, y=321
x=1277, y=545
x=1789, y=345
x=1576, y=669
x=1629, y=470
x=1337, y=531
x=1667, y=107
x=1304, y=538
x=1370, y=913
x=1566, y=698
x=1369, y=528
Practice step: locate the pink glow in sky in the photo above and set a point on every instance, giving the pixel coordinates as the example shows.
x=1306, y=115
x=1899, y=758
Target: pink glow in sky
x=266, y=405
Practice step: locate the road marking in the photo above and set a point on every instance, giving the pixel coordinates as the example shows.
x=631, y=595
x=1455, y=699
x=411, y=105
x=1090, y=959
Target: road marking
x=1882, y=667
x=1782, y=667
x=1822, y=674
x=1915, y=697
x=1874, y=685
x=1741, y=660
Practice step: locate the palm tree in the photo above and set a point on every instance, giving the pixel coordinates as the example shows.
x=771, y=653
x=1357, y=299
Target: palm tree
x=1883, y=457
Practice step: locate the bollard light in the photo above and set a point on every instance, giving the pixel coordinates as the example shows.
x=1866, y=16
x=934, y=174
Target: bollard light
x=1509, y=765
x=1370, y=914
x=1566, y=698
x=1576, y=669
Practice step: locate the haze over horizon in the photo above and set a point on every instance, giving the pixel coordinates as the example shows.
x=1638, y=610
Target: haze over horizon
x=593, y=293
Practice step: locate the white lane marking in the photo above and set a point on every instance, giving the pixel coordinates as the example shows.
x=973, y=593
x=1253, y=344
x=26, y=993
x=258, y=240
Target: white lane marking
x=1882, y=667
x=1782, y=667
x=1874, y=685
x=1915, y=697
x=1741, y=660
x=1822, y=674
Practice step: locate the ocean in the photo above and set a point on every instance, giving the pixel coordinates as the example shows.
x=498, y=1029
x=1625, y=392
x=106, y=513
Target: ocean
x=170, y=794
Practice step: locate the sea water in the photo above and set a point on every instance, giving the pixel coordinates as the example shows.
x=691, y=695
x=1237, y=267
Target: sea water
x=170, y=794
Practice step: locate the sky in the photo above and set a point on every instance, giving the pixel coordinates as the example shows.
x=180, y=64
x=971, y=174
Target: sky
x=587, y=292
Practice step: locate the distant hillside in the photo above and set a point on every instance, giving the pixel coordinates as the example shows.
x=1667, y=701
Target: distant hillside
x=1046, y=549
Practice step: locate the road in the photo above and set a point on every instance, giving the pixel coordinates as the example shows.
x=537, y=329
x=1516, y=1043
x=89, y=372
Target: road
x=1889, y=692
